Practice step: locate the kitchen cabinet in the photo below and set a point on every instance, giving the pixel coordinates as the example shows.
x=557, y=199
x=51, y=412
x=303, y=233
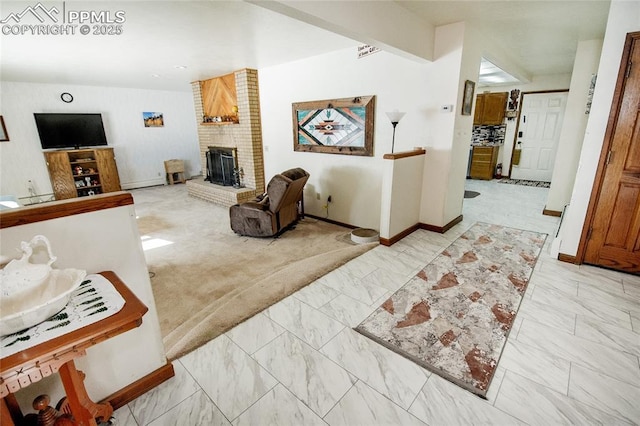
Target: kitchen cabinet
x=483, y=162
x=490, y=108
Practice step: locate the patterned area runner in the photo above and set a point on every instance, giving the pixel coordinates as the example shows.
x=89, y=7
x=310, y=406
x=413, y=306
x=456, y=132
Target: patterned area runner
x=525, y=182
x=453, y=317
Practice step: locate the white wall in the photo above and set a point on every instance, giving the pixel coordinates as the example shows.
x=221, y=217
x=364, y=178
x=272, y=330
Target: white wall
x=376, y=24
x=140, y=152
x=401, y=194
x=472, y=53
x=624, y=17
x=353, y=182
x=444, y=88
x=574, y=124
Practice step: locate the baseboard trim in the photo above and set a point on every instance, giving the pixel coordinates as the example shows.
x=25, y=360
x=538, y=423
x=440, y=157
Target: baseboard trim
x=134, y=390
x=441, y=229
x=390, y=241
x=401, y=235
x=335, y=222
x=143, y=183
x=548, y=212
x=568, y=258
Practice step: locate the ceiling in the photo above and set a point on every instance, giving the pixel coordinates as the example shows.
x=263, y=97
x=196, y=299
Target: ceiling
x=167, y=44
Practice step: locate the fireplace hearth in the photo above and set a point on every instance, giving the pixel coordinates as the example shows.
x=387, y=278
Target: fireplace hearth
x=221, y=165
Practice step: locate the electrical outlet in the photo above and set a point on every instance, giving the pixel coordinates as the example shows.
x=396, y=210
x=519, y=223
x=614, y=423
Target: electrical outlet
x=329, y=199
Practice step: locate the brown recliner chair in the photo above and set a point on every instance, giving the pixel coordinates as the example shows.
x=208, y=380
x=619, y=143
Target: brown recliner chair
x=267, y=215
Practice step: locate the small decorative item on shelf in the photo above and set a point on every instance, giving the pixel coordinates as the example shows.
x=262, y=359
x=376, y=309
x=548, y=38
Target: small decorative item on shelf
x=88, y=179
x=513, y=102
x=77, y=170
x=220, y=119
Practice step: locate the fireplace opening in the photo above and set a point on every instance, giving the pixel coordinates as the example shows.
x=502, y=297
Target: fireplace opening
x=222, y=166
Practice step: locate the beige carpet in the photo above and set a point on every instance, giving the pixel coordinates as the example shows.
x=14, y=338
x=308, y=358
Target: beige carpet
x=210, y=279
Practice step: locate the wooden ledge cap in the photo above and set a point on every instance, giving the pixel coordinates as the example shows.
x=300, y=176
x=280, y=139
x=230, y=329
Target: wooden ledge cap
x=404, y=154
x=62, y=208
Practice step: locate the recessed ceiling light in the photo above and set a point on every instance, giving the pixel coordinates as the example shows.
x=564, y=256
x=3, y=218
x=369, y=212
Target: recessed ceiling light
x=181, y=67
x=155, y=75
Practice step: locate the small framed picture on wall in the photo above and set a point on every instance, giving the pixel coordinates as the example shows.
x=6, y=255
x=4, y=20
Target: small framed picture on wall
x=4, y=136
x=467, y=99
x=153, y=119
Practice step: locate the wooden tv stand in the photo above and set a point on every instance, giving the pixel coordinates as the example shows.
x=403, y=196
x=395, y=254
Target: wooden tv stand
x=82, y=172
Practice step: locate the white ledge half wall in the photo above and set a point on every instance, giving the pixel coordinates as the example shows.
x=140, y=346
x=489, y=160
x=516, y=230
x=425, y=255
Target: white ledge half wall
x=401, y=192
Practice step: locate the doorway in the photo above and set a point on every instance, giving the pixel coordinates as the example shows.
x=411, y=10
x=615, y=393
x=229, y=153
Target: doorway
x=538, y=135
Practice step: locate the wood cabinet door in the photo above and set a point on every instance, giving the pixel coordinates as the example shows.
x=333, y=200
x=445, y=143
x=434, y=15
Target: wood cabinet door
x=483, y=162
x=106, y=162
x=613, y=238
x=494, y=107
x=219, y=95
x=479, y=111
x=60, y=174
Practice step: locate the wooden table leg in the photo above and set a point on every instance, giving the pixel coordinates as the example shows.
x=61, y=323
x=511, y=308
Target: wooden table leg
x=10, y=411
x=84, y=410
x=5, y=415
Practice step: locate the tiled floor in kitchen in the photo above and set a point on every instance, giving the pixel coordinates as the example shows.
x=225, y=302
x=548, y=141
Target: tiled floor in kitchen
x=571, y=358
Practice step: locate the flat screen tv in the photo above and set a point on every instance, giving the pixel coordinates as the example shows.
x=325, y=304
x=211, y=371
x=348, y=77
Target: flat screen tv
x=61, y=130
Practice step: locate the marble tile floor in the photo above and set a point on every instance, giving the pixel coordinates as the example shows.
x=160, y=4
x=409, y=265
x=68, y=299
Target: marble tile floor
x=572, y=356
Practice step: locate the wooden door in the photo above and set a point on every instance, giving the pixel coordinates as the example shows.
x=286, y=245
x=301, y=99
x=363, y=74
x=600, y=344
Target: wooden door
x=613, y=238
x=538, y=135
x=60, y=174
x=106, y=163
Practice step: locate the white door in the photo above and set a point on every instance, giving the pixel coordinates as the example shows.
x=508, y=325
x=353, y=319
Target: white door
x=538, y=135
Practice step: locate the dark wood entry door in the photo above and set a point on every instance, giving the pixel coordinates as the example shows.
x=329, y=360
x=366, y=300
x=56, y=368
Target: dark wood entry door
x=614, y=240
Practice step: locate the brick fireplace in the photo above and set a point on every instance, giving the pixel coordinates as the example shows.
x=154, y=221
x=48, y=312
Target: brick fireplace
x=245, y=136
